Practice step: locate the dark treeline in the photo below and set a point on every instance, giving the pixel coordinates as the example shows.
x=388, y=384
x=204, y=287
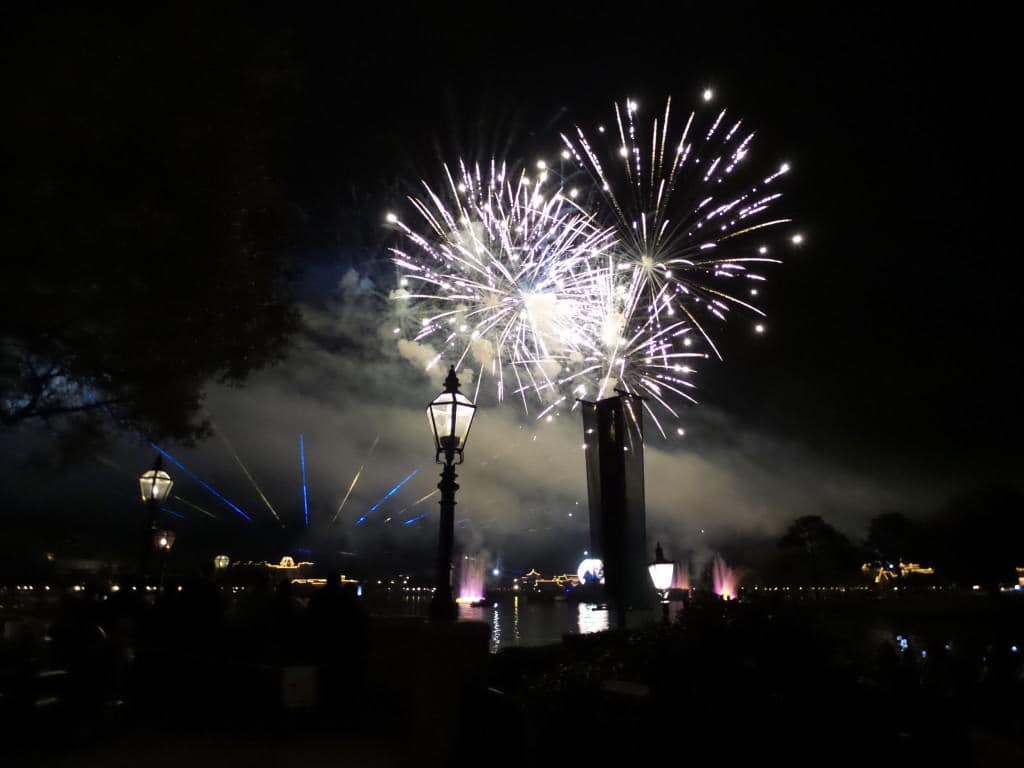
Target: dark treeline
x=976, y=538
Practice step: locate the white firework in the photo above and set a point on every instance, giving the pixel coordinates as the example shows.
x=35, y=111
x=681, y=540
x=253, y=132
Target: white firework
x=497, y=275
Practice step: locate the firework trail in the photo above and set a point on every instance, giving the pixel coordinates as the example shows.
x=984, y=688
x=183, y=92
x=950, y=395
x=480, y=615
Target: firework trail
x=245, y=470
x=355, y=480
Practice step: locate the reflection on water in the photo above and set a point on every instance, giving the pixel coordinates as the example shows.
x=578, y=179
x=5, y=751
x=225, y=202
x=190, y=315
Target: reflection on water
x=515, y=620
x=524, y=623
x=592, y=618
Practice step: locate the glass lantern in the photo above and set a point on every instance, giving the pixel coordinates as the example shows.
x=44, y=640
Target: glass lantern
x=450, y=416
x=155, y=484
x=661, y=571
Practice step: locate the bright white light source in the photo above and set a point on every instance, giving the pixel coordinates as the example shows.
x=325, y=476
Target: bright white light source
x=708, y=94
x=565, y=154
x=624, y=151
x=759, y=328
x=590, y=569
x=680, y=431
x=797, y=239
x=541, y=165
x=391, y=218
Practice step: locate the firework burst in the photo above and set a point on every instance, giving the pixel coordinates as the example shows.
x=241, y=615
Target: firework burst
x=499, y=276
x=690, y=226
x=612, y=273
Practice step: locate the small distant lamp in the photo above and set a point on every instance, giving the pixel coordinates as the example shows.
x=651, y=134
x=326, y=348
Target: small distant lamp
x=661, y=576
x=163, y=540
x=155, y=484
x=220, y=562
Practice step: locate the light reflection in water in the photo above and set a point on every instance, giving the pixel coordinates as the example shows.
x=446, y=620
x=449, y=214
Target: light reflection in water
x=591, y=618
x=515, y=619
x=528, y=623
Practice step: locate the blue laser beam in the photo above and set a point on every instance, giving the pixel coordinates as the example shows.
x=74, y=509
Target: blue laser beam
x=388, y=495
x=412, y=520
x=394, y=490
x=172, y=512
x=305, y=492
x=202, y=482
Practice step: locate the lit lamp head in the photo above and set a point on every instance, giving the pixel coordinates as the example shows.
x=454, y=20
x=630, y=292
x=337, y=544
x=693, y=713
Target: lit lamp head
x=155, y=484
x=450, y=416
x=220, y=562
x=163, y=540
x=661, y=571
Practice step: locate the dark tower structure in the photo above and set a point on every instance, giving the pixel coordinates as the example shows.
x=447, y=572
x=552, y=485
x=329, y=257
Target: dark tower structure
x=613, y=436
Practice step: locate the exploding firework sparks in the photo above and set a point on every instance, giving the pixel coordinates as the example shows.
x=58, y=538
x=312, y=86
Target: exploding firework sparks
x=690, y=226
x=499, y=275
x=618, y=282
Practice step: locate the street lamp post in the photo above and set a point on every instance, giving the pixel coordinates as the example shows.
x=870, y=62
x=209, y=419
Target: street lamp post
x=450, y=416
x=154, y=486
x=162, y=543
x=661, y=576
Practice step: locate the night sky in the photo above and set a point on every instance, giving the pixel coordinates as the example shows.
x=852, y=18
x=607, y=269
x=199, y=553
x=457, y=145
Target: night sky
x=890, y=374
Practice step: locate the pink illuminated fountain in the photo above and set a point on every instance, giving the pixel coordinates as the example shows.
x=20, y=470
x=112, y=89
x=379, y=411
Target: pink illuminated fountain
x=726, y=581
x=471, y=580
x=681, y=576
